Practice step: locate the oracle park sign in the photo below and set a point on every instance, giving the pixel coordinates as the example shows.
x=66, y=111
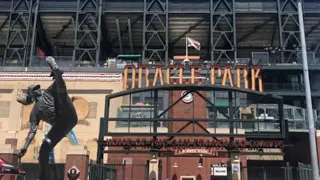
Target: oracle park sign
x=234, y=77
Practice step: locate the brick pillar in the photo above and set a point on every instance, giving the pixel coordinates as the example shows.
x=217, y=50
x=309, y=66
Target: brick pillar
x=78, y=156
x=9, y=154
x=195, y=109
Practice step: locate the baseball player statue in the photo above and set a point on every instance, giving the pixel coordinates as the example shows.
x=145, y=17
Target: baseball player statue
x=54, y=106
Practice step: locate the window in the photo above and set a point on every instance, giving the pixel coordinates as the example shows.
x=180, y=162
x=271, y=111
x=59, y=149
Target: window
x=288, y=113
x=219, y=115
x=127, y=160
x=135, y=100
x=135, y=113
x=150, y=101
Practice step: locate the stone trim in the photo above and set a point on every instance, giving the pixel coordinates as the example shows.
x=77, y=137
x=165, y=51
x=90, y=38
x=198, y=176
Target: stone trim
x=110, y=77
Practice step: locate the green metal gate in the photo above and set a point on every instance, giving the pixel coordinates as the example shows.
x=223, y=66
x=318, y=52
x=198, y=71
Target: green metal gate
x=300, y=172
x=121, y=171
x=106, y=171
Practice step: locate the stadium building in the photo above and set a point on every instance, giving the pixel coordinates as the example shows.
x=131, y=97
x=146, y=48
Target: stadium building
x=204, y=70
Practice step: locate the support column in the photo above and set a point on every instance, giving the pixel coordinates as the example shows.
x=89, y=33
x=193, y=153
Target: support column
x=289, y=31
x=155, y=37
x=235, y=167
x=39, y=36
x=78, y=158
x=223, y=40
x=18, y=37
x=87, y=33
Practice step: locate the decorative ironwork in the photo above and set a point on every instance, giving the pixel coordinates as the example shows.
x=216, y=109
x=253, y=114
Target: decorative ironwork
x=163, y=133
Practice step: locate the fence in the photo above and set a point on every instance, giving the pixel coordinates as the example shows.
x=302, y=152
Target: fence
x=106, y=171
x=55, y=171
x=141, y=172
x=117, y=171
x=301, y=172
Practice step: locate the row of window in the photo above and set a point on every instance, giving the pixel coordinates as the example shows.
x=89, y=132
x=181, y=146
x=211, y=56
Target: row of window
x=247, y=126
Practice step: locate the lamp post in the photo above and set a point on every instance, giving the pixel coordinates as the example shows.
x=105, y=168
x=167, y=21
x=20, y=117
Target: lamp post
x=312, y=131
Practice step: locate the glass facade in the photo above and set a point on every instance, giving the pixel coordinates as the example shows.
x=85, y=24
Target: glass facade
x=267, y=113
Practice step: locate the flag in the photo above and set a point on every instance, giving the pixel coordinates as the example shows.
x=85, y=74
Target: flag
x=41, y=54
x=193, y=43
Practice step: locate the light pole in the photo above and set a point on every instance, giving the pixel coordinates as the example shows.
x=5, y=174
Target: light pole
x=312, y=130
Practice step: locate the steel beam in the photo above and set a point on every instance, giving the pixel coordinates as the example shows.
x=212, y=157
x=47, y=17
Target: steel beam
x=87, y=31
x=126, y=30
x=314, y=27
x=119, y=36
x=224, y=12
x=18, y=37
x=39, y=37
x=181, y=48
x=4, y=23
x=195, y=25
x=130, y=35
x=289, y=31
x=234, y=34
x=34, y=33
x=64, y=27
x=274, y=33
x=155, y=41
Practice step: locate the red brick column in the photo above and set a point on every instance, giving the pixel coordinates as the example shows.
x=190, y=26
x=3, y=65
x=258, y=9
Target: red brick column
x=9, y=154
x=78, y=157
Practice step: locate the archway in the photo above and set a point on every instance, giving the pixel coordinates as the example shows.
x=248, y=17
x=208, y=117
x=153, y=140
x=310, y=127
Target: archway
x=198, y=121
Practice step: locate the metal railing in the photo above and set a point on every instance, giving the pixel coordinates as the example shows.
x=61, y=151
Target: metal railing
x=106, y=171
x=283, y=87
x=301, y=172
x=66, y=61
x=286, y=87
x=125, y=171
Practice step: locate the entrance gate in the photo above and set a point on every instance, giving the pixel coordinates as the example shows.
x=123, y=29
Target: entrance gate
x=204, y=122
x=119, y=171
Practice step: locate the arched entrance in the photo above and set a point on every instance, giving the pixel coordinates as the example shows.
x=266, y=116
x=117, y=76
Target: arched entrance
x=207, y=122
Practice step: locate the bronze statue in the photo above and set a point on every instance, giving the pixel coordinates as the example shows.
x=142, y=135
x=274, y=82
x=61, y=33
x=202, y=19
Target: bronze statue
x=53, y=106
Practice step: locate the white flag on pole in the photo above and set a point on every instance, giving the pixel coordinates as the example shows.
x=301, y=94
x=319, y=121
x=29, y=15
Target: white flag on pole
x=193, y=43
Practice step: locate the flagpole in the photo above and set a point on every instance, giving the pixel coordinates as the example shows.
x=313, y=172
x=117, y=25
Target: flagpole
x=186, y=47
